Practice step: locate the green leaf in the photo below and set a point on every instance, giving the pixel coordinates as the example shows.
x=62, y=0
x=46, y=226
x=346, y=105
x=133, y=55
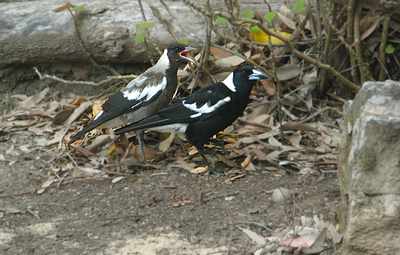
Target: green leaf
x=184, y=41
x=78, y=8
x=144, y=25
x=269, y=17
x=299, y=6
x=255, y=29
x=221, y=21
x=390, y=49
x=247, y=14
x=139, y=38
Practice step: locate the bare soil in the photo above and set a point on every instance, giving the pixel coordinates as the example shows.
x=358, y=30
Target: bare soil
x=149, y=212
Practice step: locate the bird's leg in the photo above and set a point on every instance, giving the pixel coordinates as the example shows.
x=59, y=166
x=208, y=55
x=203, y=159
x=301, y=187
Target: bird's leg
x=140, y=138
x=209, y=161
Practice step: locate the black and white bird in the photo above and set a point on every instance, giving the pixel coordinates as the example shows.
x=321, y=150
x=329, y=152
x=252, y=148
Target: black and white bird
x=143, y=96
x=207, y=111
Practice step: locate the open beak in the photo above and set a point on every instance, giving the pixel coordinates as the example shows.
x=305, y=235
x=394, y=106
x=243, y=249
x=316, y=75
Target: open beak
x=184, y=54
x=258, y=75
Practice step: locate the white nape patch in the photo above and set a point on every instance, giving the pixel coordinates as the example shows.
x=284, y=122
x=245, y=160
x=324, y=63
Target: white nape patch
x=148, y=92
x=229, y=82
x=98, y=115
x=163, y=61
x=177, y=127
x=205, y=108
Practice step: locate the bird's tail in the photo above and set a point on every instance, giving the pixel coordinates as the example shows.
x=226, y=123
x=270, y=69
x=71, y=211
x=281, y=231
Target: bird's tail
x=100, y=119
x=146, y=123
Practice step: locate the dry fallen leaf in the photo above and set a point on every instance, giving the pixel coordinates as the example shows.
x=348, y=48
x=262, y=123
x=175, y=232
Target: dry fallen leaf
x=77, y=112
x=199, y=170
x=78, y=100
x=219, y=53
x=97, y=107
x=229, y=61
x=117, y=179
x=246, y=162
x=258, y=239
x=166, y=143
x=261, y=37
x=269, y=87
x=46, y=184
x=288, y=72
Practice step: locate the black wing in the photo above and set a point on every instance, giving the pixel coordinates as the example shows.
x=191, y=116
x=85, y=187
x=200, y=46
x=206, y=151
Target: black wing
x=139, y=92
x=199, y=106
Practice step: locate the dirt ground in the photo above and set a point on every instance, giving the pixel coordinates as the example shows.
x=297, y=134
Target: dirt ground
x=149, y=212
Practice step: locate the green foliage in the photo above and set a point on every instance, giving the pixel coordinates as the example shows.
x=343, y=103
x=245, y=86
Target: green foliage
x=142, y=29
x=390, y=49
x=80, y=8
x=221, y=21
x=269, y=17
x=247, y=14
x=184, y=41
x=299, y=6
x=255, y=29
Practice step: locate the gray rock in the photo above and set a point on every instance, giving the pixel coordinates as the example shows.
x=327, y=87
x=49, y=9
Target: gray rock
x=370, y=171
x=31, y=32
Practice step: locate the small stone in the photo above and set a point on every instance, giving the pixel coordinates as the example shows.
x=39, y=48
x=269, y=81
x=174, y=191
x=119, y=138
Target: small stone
x=280, y=195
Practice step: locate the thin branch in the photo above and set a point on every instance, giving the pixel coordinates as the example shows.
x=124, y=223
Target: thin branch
x=146, y=41
x=364, y=69
x=382, y=47
x=350, y=36
x=83, y=45
x=86, y=83
x=326, y=50
x=202, y=68
x=349, y=84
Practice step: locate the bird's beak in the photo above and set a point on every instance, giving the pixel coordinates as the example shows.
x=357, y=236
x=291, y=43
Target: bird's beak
x=183, y=54
x=258, y=75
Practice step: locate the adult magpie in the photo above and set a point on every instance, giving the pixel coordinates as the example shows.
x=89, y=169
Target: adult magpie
x=143, y=96
x=207, y=111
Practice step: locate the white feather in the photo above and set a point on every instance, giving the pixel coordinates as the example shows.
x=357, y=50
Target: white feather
x=161, y=65
x=98, y=115
x=148, y=92
x=163, y=61
x=137, y=82
x=228, y=82
x=205, y=108
x=177, y=127
x=255, y=71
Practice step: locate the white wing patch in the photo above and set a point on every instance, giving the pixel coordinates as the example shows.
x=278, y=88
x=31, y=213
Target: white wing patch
x=148, y=92
x=228, y=82
x=136, y=82
x=206, y=108
x=177, y=127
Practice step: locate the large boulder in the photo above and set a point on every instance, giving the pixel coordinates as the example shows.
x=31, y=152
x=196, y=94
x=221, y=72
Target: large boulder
x=370, y=171
x=32, y=32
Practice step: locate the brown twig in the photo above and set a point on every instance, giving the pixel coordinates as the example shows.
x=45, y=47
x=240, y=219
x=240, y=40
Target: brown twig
x=202, y=67
x=363, y=68
x=382, y=47
x=346, y=82
x=86, y=83
x=350, y=38
x=146, y=41
x=78, y=34
x=326, y=50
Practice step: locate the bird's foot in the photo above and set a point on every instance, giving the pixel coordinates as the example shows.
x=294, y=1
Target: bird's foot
x=213, y=169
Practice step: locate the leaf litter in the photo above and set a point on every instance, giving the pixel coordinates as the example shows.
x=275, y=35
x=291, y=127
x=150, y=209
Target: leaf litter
x=285, y=134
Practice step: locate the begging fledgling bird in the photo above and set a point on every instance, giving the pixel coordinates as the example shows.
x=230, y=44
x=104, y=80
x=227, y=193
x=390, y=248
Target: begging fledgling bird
x=143, y=96
x=207, y=111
